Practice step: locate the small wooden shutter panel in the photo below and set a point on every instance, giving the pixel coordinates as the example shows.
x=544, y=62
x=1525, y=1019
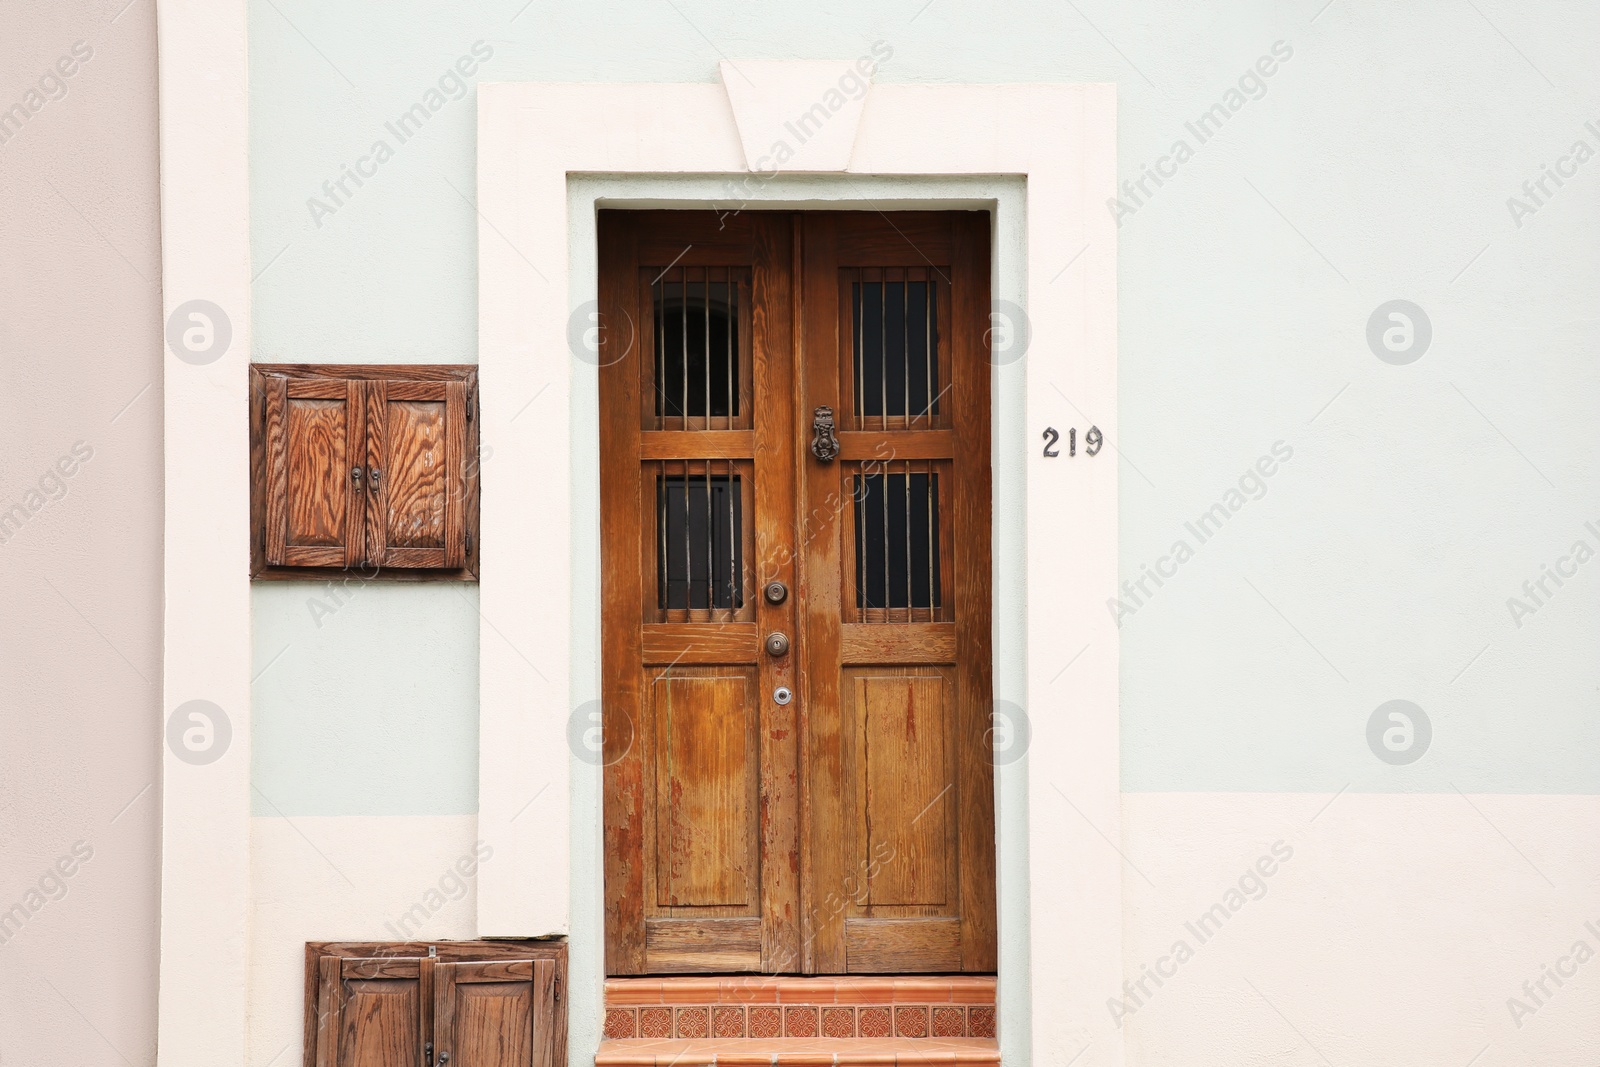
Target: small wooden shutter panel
x=498, y=1013
x=416, y=436
x=371, y=1011
x=314, y=438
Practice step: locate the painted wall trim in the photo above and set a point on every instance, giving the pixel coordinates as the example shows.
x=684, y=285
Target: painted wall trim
x=205, y=239
x=1060, y=140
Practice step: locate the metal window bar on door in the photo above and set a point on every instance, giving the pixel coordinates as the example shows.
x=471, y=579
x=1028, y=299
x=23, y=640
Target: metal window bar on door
x=702, y=541
x=700, y=369
x=896, y=378
x=899, y=542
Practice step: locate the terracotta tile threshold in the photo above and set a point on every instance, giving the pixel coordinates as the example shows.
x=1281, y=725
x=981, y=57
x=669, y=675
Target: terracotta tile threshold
x=800, y=1052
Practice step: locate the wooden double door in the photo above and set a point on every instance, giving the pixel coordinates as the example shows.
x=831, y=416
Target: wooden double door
x=795, y=540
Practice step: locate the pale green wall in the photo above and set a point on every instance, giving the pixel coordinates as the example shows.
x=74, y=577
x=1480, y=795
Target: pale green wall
x=1376, y=165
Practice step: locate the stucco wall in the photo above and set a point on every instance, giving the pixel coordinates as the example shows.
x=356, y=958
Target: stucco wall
x=80, y=564
x=1356, y=155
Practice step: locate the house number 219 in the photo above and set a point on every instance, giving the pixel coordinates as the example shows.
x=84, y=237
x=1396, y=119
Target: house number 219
x=1091, y=442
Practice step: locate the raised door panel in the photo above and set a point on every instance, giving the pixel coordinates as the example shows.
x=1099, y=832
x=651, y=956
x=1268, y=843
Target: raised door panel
x=494, y=1013
x=902, y=780
x=372, y=1012
x=315, y=454
x=706, y=779
x=417, y=435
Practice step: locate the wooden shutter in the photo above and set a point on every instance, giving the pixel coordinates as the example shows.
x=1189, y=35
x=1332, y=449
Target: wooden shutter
x=495, y=1013
x=315, y=452
x=370, y=1012
x=371, y=467
x=416, y=438
x=411, y=1003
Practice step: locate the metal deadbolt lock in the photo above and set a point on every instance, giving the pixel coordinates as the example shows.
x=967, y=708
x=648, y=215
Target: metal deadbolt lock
x=777, y=644
x=782, y=695
x=776, y=592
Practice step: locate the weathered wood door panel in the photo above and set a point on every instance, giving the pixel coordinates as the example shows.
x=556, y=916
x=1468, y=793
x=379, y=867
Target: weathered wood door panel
x=494, y=1013
x=823, y=805
x=415, y=503
x=315, y=434
x=373, y=1012
x=697, y=491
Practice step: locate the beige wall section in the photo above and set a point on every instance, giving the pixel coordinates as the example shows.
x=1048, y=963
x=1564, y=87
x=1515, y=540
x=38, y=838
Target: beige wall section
x=80, y=564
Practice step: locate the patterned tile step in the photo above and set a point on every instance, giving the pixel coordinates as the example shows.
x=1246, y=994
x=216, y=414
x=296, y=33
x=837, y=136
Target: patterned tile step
x=800, y=1052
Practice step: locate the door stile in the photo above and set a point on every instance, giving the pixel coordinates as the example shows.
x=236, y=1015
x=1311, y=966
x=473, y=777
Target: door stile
x=824, y=896
x=969, y=333
x=625, y=789
x=773, y=338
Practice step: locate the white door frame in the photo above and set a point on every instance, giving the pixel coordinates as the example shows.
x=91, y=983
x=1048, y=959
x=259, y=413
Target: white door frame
x=1043, y=159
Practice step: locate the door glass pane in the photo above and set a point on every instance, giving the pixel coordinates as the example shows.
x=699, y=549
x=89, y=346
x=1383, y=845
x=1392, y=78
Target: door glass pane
x=896, y=347
x=897, y=542
x=696, y=345
x=700, y=550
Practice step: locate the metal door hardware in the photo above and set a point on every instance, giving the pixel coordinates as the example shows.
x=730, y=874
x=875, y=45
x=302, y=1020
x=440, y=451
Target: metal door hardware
x=777, y=644
x=776, y=592
x=782, y=695
x=824, y=442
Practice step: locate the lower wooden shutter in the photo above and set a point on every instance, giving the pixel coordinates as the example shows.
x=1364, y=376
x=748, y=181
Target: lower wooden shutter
x=370, y=1012
x=435, y=1004
x=494, y=1013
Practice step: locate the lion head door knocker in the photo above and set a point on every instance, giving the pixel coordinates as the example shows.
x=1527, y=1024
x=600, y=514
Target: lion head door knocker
x=824, y=442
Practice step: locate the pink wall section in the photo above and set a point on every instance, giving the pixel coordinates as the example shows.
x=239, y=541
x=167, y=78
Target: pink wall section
x=80, y=532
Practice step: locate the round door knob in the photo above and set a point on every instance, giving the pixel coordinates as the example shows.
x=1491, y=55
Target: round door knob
x=777, y=644
x=776, y=592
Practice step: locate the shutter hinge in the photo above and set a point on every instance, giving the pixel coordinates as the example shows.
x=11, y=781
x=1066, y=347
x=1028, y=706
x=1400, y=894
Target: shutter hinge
x=469, y=542
x=470, y=398
x=558, y=989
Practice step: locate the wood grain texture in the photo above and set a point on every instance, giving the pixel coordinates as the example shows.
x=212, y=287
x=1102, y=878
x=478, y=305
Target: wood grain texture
x=899, y=802
x=495, y=1013
x=690, y=946
x=968, y=544
x=318, y=474
x=697, y=444
x=706, y=780
x=413, y=483
x=882, y=752
x=911, y=642
x=362, y=372
x=324, y=1029
x=901, y=778
x=666, y=643
x=903, y=946
x=774, y=310
x=371, y=1003
x=885, y=445
x=824, y=890
x=625, y=804
x=380, y=1022
x=700, y=802
x=313, y=518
